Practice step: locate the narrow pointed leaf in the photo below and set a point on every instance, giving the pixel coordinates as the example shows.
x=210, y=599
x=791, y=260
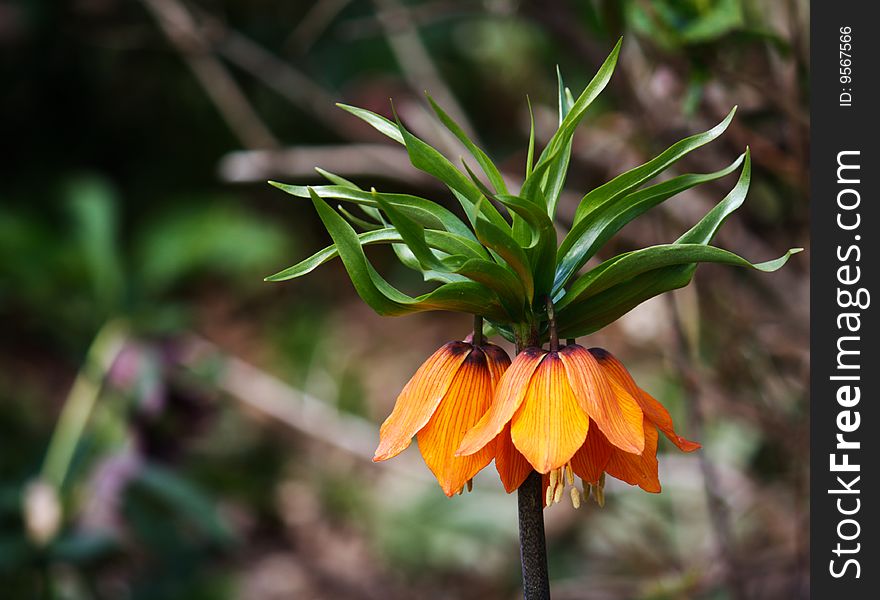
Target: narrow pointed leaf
x=530, y=156
x=427, y=213
x=595, y=311
x=489, y=168
x=445, y=242
x=379, y=123
x=591, y=233
x=359, y=222
x=634, y=178
x=468, y=297
x=542, y=249
x=510, y=251
x=559, y=147
x=626, y=266
x=426, y=158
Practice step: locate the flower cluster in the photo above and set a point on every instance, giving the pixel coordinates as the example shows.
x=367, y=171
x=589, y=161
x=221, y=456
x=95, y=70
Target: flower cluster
x=564, y=412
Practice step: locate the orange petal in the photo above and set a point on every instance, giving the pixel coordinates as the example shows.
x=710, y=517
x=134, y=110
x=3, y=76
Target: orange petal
x=550, y=425
x=659, y=416
x=508, y=396
x=640, y=470
x=512, y=466
x=590, y=460
x=654, y=411
x=614, y=410
x=466, y=400
x=499, y=362
x=419, y=399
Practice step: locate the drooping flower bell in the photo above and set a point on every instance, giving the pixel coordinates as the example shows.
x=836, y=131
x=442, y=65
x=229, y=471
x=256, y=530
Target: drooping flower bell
x=443, y=400
x=573, y=412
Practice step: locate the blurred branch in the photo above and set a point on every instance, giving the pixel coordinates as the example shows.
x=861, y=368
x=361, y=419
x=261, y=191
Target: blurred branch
x=276, y=74
x=179, y=27
x=270, y=396
x=417, y=66
x=314, y=23
x=348, y=160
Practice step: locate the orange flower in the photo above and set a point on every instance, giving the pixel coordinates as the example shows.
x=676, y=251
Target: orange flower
x=442, y=401
x=574, y=411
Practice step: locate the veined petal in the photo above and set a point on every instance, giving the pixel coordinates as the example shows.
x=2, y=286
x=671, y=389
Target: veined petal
x=640, y=470
x=615, y=411
x=419, y=399
x=512, y=466
x=590, y=460
x=654, y=411
x=498, y=362
x=508, y=396
x=466, y=400
x=659, y=416
x=549, y=426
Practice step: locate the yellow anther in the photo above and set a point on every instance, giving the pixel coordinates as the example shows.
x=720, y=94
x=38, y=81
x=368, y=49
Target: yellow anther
x=575, y=497
x=569, y=474
x=548, y=497
x=554, y=478
x=557, y=494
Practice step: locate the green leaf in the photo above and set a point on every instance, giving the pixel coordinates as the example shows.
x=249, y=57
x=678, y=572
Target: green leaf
x=492, y=275
x=704, y=231
x=356, y=220
x=604, y=308
x=379, y=123
x=625, y=182
x=591, y=233
x=558, y=149
x=443, y=241
x=426, y=158
x=631, y=264
x=542, y=249
x=413, y=235
x=467, y=297
x=429, y=214
x=530, y=156
x=337, y=180
x=510, y=251
x=609, y=293
x=499, y=279
x=482, y=159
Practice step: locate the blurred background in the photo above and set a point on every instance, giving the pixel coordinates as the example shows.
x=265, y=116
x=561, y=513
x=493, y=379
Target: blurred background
x=172, y=427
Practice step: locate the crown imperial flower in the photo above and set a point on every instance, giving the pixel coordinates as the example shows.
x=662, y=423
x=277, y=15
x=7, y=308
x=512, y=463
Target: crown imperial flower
x=445, y=398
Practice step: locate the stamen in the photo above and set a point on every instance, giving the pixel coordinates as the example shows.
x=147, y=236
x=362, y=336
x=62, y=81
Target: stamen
x=599, y=491
x=554, y=478
x=548, y=497
x=575, y=498
x=557, y=494
x=470, y=485
x=569, y=474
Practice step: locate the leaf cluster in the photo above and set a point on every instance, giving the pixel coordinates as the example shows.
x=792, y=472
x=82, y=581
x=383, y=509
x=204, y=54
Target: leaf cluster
x=503, y=260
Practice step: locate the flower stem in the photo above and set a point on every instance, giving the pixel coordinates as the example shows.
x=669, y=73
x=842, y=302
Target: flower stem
x=551, y=318
x=533, y=547
x=478, y=330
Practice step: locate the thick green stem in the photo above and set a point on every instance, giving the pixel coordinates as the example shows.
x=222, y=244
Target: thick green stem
x=478, y=330
x=532, y=544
